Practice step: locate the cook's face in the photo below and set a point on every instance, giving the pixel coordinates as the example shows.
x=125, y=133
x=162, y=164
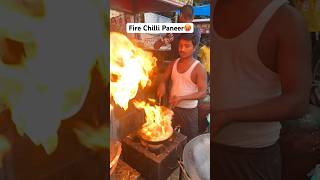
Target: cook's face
x=185, y=48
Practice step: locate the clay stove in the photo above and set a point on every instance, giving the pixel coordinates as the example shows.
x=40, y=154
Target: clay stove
x=154, y=161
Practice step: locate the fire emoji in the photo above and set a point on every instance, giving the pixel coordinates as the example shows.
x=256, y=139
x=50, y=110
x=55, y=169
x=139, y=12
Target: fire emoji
x=187, y=27
x=157, y=126
x=130, y=68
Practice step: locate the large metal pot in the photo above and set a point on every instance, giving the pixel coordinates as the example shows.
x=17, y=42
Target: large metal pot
x=196, y=158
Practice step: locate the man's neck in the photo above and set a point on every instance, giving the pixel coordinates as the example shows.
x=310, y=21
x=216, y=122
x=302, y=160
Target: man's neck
x=188, y=59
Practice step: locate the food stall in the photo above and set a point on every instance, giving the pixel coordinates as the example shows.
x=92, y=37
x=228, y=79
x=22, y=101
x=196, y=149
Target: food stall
x=145, y=5
x=144, y=151
x=132, y=11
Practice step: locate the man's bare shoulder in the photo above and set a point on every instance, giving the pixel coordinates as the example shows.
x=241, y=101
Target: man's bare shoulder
x=200, y=68
x=288, y=20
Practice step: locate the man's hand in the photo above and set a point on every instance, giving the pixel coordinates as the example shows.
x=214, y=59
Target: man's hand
x=220, y=121
x=174, y=100
x=161, y=90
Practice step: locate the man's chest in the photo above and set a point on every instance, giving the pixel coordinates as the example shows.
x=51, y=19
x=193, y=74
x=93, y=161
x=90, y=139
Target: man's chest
x=184, y=69
x=228, y=26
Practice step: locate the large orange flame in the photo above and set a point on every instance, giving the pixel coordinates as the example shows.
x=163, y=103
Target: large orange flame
x=130, y=67
x=157, y=126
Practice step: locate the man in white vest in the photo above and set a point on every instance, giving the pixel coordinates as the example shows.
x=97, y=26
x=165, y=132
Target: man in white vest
x=189, y=83
x=261, y=76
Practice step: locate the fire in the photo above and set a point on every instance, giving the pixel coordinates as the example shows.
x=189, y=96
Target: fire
x=93, y=138
x=55, y=74
x=158, y=121
x=130, y=67
x=115, y=151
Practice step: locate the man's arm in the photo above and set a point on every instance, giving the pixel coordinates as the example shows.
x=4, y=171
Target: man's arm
x=295, y=75
x=201, y=83
x=164, y=79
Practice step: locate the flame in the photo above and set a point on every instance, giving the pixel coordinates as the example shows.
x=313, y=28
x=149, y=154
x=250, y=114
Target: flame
x=93, y=138
x=115, y=152
x=158, y=121
x=130, y=67
x=55, y=74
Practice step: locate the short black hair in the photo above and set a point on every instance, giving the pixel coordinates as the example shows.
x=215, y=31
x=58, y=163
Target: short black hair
x=187, y=11
x=189, y=37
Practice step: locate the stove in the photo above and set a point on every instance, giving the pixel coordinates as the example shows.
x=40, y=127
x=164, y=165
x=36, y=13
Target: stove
x=153, y=161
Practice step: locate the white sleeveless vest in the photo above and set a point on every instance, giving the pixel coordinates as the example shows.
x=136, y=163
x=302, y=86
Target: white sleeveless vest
x=183, y=85
x=240, y=79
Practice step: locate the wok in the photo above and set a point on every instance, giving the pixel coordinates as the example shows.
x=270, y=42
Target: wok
x=158, y=141
x=196, y=158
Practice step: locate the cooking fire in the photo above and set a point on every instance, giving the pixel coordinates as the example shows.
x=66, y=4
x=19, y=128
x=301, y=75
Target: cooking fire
x=158, y=122
x=131, y=69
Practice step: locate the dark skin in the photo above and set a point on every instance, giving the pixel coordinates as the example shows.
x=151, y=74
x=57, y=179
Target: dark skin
x=198, y=75
x=283, y=47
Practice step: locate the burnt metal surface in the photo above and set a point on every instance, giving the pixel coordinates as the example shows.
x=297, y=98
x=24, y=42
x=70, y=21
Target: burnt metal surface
x=154, y=162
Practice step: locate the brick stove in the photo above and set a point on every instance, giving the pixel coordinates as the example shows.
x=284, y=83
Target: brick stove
x=154, y=162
